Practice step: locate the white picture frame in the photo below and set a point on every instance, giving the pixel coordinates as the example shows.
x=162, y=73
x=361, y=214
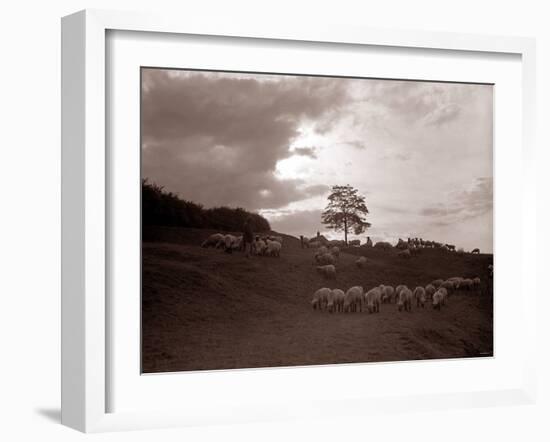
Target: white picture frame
x=85, y=199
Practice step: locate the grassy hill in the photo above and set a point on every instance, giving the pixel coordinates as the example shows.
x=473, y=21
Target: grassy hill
x=205, y=309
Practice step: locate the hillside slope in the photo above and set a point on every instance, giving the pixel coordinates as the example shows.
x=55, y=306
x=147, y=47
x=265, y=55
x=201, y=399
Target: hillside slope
x=205, y=309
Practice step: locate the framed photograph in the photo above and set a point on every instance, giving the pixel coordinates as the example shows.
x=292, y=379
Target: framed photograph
x=265, y=222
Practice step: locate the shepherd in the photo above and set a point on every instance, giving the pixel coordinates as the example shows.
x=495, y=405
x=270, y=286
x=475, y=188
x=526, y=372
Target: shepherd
x=248, y=236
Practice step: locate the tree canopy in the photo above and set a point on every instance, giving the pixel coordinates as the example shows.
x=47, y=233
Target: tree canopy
x=346, y=211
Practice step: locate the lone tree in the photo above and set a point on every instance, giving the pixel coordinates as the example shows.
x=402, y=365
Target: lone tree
x=346, y=210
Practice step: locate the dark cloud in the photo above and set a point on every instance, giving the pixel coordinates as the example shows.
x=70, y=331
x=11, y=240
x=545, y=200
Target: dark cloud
x=216, y=139
x=465, y=204
x=305, y=151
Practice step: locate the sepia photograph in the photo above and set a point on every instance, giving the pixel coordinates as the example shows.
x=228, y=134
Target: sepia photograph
x=296, y=220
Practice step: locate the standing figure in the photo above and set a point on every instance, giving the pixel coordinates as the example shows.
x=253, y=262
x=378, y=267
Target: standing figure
x=248, y=236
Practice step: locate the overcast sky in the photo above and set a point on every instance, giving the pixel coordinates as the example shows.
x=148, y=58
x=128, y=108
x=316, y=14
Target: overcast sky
x=420, y=152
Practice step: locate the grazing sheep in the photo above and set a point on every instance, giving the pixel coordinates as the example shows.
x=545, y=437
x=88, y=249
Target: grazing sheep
x=466, y=284
x=445, y=295
x=353, y=300
x=476, y=250
x=438, y=299
x=328, y=271
x=338, y=297
x=430, y=290
x=237, y=243
x=273, y=248
x=330, y=302
x=279, y=239
x=214, y=240
x=437, y=283
x=455, y=280
x=259, y=247
x=361, y=262
x=322, y=250
x=476, y=282
x=228, y=242
x=335, y=251
x=320, y=298
x=383, y=245
x=325, y=259
x=420, y=296
x=373, y=298
x=388, y=294
x=399, y=288
x=404, y=253
x=449, y=285
x=404, y=300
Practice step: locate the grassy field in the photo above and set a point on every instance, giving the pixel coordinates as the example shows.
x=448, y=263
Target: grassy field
x=203, y=309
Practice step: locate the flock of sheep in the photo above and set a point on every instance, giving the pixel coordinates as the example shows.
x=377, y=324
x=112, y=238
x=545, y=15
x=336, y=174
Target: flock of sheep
x=264, y=246
x=356, y=299
x=408, y=247
x=415, y=245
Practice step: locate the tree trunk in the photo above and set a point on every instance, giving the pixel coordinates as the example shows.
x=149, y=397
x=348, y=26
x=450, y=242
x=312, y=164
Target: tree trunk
x=346, y=231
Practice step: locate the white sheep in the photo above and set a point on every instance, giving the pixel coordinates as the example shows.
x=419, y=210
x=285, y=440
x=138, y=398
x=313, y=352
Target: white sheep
x=439, y=298
x=373, y=299
x=237, y=243
x=361, y=262
x=214, y=240
x=466, y=284
x=353, y=300
x=338, y=297
x=279, y=239
x=273, y=248
x=476, y=282
x=404, y=299
x=455, y=281
x=228, y=242
x=437, y=283
x=420, y=296
x=399, y=288
x=259, y=247
x=445, y=295
x=325, y=259
x=430, y=290
x=388, y=294
x=328, y=271
x=320, y=298
x=449, y=285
